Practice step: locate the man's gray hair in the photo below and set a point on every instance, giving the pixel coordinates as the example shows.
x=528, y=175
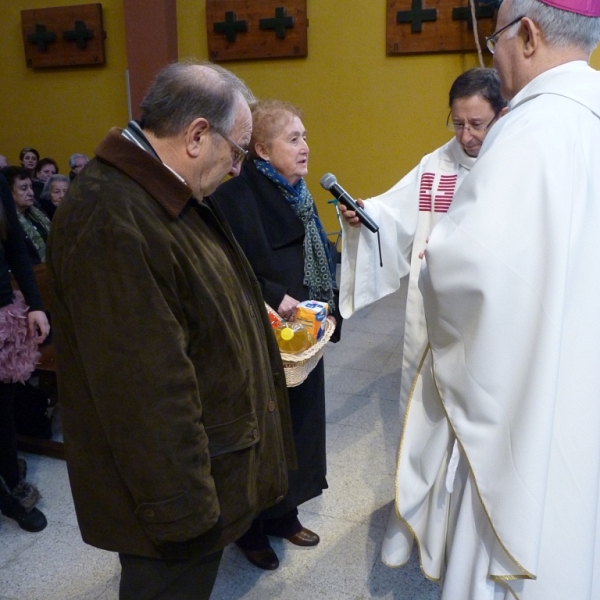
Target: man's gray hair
x=184, y=91
x=560, y=27
x=45, y=195
x=74, y=157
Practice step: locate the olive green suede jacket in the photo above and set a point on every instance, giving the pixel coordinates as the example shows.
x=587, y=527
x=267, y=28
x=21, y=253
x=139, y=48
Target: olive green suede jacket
x=172, y=391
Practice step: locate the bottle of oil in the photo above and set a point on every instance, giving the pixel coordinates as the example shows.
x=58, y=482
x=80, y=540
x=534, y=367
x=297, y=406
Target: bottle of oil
x=293, y=338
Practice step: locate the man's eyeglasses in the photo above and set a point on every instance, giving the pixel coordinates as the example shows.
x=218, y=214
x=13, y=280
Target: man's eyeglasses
x=492, y=40
x=238, y=152
x=458, y=128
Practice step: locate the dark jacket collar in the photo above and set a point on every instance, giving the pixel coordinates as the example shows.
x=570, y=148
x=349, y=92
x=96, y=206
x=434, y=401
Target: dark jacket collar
x=146, y=170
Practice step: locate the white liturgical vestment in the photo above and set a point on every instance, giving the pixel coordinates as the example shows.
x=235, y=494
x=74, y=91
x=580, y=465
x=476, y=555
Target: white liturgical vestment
x=406, y=214
x=511, y=290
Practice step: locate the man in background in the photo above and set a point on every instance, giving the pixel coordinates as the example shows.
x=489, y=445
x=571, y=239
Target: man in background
x=509, y=446
x=172, y=389
x=76, y=163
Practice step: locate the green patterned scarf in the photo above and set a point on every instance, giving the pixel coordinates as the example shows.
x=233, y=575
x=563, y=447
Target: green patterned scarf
x=319, y=270
x=36, y=226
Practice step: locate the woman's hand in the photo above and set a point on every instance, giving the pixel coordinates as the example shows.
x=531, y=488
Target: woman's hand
x=349, y=215
x=37, y=325
x=287, y=308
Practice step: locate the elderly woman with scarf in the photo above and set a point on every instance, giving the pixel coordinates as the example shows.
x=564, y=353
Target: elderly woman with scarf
x=275, y=221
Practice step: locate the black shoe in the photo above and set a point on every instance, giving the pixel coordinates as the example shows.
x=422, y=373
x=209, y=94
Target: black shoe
x=263, y=559
x=19, y=504
x=32, y=521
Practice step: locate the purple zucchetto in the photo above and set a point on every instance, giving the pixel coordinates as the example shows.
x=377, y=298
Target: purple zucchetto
x=588, y=8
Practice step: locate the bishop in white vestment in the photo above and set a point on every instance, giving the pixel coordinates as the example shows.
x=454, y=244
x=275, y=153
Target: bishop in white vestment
x=511, y=290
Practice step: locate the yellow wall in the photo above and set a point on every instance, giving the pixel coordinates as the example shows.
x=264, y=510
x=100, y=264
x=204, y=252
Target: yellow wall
x=59, y=111
x=370, y=117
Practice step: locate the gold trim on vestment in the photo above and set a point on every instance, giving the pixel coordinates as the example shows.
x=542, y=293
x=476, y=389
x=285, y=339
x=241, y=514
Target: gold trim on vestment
x=406, y=523
x=505, y=585
x=526, y=574
x=500, y=579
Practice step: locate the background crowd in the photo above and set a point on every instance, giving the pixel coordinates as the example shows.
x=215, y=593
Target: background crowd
x=30, y=195
x=37, y=189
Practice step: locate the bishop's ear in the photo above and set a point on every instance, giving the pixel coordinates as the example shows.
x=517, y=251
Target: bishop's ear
x=531, y=35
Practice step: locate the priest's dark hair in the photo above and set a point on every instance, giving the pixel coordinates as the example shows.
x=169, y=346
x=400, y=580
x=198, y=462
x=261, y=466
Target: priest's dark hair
x=184, y=91
x=478, y=82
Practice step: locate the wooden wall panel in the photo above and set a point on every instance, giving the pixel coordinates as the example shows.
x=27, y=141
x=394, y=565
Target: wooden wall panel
x=415, y=26
x=63, y=36
x=253, y=29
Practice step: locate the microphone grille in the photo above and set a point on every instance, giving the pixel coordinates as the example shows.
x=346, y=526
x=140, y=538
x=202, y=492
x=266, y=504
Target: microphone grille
x=328, y=180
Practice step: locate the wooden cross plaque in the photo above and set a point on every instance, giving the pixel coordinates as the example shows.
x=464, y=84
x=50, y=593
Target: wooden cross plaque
x=251, y=29
x=63, y=36
x=415, y=26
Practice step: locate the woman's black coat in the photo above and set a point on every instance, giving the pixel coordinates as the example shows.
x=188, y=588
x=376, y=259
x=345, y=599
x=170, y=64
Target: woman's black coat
x=272, y=237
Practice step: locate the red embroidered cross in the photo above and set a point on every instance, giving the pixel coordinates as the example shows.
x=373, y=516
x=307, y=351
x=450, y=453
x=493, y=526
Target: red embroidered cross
x=425, y=191
x=445, y=193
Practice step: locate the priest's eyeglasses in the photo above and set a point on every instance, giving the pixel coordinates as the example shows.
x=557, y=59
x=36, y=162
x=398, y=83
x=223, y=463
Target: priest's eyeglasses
x=492, y=40
x=238, y=152
x=475, y=128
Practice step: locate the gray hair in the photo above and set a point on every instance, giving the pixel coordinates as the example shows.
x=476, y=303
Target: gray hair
x=184, y=91
x=560, y=27
x=45, y=195
x=74, y=157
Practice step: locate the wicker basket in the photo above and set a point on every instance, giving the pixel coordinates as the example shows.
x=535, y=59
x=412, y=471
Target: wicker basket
x=297, y=367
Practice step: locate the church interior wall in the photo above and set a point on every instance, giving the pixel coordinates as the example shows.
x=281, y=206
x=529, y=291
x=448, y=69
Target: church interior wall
x=369, y=117
x=59, y=111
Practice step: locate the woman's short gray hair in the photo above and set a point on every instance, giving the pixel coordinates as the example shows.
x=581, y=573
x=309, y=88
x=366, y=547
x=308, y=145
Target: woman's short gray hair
x=45, y=195
x=74, y=157
x=560, y=27
x=184, y=91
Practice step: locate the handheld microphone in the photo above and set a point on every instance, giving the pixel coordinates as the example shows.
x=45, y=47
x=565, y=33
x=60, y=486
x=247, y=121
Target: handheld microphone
x=329, y=182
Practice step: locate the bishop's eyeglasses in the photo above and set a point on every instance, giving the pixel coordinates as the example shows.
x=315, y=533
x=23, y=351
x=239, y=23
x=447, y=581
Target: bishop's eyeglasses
x=492, y=40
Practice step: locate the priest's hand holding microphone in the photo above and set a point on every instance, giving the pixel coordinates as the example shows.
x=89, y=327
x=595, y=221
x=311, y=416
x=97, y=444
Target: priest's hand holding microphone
x=352, y=210
x=349, y=215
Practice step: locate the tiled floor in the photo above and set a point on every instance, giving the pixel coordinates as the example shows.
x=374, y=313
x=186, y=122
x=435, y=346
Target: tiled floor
x=362, y=375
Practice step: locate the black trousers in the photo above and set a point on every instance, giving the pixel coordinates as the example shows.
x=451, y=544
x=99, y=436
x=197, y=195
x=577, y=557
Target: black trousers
x=154, y=579
x=9, y=469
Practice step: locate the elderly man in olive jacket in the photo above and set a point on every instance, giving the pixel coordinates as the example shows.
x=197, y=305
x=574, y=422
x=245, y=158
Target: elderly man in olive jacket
x=172, y=390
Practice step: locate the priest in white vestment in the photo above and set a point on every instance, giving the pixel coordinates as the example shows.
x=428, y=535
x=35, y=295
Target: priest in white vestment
x=509, y=447
x=406, y=215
